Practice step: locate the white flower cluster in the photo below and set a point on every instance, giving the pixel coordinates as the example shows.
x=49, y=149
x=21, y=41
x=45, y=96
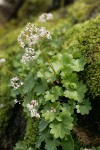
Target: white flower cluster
x=87, y=149
x=52, y=110
x=16, y=83
x=1, y=106
x=28, y=55
x=2, y=60
x=33, y=108
x=16, y=101
x=29, y=37
x=45, y=17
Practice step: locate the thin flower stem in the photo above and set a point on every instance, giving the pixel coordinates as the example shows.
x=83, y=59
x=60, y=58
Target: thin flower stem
x=18, y=88
x=11, y=73
x=48, y=59
x=21, y=93
x=43, y=74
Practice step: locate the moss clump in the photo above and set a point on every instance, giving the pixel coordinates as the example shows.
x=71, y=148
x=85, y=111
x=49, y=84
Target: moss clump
x=7, y=51
x=83, y=10
x=4, y=117
x=31, y=135
x=85, y=37
x=31, y=132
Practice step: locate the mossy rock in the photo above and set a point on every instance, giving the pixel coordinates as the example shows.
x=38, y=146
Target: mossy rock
x=85, y=37
x=9, y=51
x=4, y=117
x=31, y=134
x=83, y=10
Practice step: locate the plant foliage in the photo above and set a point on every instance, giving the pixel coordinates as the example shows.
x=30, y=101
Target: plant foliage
x=52, y=81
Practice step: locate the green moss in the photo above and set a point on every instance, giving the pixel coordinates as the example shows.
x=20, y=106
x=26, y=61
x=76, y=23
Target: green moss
x=4, y=117
x=83, y=10
x=85, y=37
x=31, y=132
x=21, y=145
x=10, y=51
x=31, y=135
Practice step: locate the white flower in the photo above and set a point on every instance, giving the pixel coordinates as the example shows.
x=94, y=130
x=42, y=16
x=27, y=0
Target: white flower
x=49, y=16
x=1, y=106
x=53, y=110
x=2, y=60
x=16, y=83
x=16, y=101
x=86, y=149
x=42, y=18
x=34, y=103
x=31, y=34
x=34, y=113
x=28, y=56
x=32, y=107
x=42, y=31
x=45, y=17
x=48, y=35
x=29, y=37
x=37, y=115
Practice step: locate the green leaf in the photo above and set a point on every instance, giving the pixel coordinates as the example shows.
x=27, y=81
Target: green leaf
x=39, y=89
x=54, y=93
x=21, y=145
x=72, y=94
x=63, y=126
x=50, y=76
x=14, y=93
x=42, y=137
x=77, y=94
x=69, y=108
x=69, y=80
x=67, y=120
x=66, y=58
x=84, y=108
x=98, y=148
x=29, y=83
x=51, y=144
x=50, y=96
x=56, y=63
x=42, y=125
x=68, y=144
x=58, y=130
x=78, y=64
x=75, y=52
x=49, y=116
x=94, y=148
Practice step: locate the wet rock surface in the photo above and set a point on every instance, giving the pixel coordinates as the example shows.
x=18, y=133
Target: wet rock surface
x=15, y=129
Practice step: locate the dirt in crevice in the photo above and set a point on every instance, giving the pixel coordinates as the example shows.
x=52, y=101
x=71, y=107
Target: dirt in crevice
x=15, y=129
x=88, y=126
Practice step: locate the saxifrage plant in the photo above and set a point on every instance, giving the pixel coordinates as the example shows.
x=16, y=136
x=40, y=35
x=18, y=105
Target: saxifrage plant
x=51, y=90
